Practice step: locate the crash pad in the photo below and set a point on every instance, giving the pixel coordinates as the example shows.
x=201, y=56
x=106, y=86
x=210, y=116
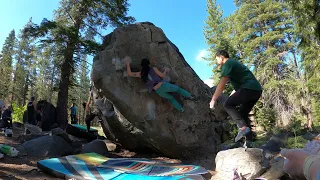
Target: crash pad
x=95, y=166
x=83, y=128
x=81, y=132
x=151, y=167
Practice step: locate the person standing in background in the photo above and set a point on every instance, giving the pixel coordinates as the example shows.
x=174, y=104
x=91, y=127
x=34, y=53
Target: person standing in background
x=73, y=114
x=31, y=110
x=1, y=107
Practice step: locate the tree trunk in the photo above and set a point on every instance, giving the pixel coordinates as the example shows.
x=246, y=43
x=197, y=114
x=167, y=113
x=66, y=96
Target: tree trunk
x=13, y=86
x=296, y=65
x=51, y=85
x=62, y=109
x=308, y=113
x=25, y=90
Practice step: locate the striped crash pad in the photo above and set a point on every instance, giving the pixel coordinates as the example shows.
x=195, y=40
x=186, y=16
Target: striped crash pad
x=95, y=166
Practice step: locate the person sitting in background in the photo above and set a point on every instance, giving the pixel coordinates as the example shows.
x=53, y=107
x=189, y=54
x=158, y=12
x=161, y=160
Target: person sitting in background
x=7, y=118
x=303, y=163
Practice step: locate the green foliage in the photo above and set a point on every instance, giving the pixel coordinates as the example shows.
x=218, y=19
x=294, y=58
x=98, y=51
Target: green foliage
x=233, y=130
x=217, y=34
x=266, y=117
x=295, y=125
x=296, y=142
x=18, y=111
x=316, y=111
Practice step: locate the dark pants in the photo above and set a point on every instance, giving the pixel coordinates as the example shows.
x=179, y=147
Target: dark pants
x=7, y=122
x=246, y=99
x=88, y=120
x=73, y=118
x=32, y=119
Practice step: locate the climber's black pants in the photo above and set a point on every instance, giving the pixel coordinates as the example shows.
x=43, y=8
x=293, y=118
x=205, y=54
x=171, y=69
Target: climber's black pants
x=246, y=99
x=88, y=120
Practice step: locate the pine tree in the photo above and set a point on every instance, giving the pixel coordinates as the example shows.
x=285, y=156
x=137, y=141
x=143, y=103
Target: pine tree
x=217, y=33
x=44, y=69
x=72, y=20
x=306, y=14
x=19, y=73
x=24, y=68
x=6, y=66
x=265, y=40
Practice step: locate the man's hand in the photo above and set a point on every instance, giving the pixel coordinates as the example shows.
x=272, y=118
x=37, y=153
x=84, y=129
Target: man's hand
x=312, y=147
x=212, y=103
x=293, y=163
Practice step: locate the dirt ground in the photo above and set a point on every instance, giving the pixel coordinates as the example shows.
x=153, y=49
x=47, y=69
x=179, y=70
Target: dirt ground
x=25, y=167
x=21, y=167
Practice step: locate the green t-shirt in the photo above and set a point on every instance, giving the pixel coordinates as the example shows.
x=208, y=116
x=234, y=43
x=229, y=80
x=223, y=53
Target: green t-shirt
x=239, y=75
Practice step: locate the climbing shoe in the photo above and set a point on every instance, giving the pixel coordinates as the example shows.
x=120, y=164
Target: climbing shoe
x=192, y=98
x=241, y=134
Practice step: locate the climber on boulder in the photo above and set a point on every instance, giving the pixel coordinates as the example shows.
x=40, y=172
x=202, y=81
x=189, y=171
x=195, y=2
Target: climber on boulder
x=153, y=79
x=97, y=108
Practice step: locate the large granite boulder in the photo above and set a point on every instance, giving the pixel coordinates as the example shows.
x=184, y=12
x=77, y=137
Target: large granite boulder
x=49, y=116
x=143, y=119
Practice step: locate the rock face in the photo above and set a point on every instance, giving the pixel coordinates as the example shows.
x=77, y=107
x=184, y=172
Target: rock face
x=143, y=119
x=250, y=163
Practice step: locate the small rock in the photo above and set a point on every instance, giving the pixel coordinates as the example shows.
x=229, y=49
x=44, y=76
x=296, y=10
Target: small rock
x=309, y=136
x=17, y=125
x=238, y=158
x=22, y=150
x=276, y=169
x=60, y=132
x=77, y=139
x=110, y=145
x=32, y=129
x=276, y=142
x=96, y=146
x=47, y=146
